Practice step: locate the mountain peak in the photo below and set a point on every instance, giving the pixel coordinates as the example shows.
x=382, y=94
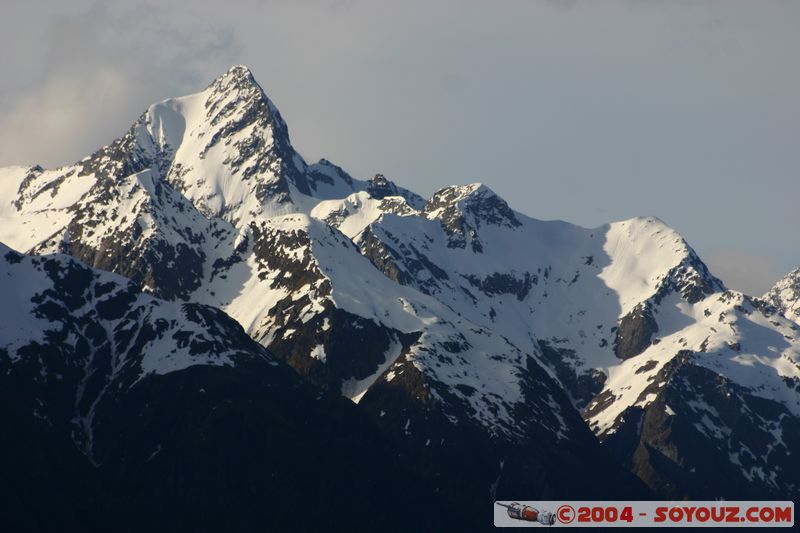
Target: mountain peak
x=237, y=74
x=792, y=278
x=785, y=295
x=237, y=87
x=227, y=148
x=476, y=200
x=455, y=193
x=238, y=84
x=381, y=187
x=239, y=70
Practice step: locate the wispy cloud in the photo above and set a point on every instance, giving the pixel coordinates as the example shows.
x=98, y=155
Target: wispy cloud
x=98, y=71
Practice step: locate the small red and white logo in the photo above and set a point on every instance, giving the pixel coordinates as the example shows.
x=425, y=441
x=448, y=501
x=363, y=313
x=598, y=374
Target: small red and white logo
x=645, y=514
x=517, y=511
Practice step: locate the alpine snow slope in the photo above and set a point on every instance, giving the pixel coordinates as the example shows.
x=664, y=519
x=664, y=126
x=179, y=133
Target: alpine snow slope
x=484, y=342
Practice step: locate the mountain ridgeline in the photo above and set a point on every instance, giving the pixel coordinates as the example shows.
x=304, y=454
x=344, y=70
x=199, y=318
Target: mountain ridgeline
x=197, y=314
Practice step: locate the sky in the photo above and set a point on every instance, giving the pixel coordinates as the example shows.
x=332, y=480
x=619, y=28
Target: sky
x=582, y=110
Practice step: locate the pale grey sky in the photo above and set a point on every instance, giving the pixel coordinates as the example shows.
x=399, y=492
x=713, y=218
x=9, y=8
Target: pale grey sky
x=582, y=110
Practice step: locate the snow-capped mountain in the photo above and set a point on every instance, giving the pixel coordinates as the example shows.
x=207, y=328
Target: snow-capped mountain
x=785, y=295
x=623, y=316
x=457, y=323
x=125, y=412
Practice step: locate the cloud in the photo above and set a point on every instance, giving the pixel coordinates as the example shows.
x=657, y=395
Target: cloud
x=743, y=271
x=97, y=72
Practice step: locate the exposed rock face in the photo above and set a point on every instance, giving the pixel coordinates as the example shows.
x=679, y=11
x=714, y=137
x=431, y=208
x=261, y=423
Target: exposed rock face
x=703, y=432
x=635, y=332
x=381, y=188
x=582, y=388
x=691, y=279
x=403, y=402
x=502, y=283
x=462, y=210
x=785, y=295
